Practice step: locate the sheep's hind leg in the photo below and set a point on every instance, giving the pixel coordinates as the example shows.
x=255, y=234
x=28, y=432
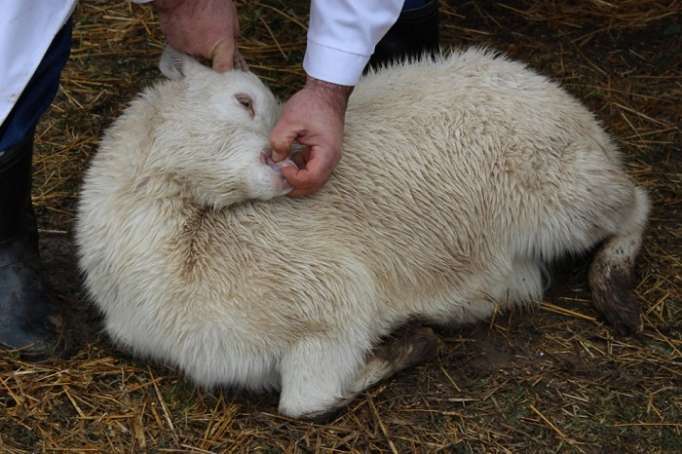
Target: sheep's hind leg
x=415, y=345
x=612, y=271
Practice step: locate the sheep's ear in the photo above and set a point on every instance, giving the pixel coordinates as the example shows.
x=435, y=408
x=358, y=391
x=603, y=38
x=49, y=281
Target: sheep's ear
x=171, y=63
x=176, y=65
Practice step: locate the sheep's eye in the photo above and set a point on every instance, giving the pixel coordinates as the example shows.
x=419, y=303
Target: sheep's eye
x=246, y=101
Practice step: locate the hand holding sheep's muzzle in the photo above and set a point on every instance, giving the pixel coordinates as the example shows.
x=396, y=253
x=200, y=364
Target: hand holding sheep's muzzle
x=314, y=116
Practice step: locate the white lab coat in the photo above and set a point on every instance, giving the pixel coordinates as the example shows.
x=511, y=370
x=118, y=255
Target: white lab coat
x=27, y=27
x=341, y=38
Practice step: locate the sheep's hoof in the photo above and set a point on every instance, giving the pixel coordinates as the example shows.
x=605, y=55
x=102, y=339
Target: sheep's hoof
x=325, y=416
x=613, y=296
x=416, y=345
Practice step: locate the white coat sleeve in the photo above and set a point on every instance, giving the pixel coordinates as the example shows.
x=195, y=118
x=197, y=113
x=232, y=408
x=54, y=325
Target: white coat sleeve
x=26, y=30
x=342, y=35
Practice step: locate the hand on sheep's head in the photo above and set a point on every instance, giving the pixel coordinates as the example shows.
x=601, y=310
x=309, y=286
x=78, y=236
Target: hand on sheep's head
x=314, y=117
x=203, y=28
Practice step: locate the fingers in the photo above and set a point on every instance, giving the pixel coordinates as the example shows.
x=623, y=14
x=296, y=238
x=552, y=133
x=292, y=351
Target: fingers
x=281, y=139
x=222, y=61
x=310, y=179
x=223, y=55
x=202, y=28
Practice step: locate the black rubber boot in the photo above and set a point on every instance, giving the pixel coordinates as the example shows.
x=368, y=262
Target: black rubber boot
x=26, y=314
x=413, y=35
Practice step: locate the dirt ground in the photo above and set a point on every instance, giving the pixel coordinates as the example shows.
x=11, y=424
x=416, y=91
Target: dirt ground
x=556, y=379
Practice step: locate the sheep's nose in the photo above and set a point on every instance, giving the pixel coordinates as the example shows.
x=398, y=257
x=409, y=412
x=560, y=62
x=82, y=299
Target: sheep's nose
x=266, y=158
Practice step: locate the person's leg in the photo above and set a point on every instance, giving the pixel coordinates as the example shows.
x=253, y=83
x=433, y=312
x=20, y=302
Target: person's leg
x=414, y=34
x=25, y=310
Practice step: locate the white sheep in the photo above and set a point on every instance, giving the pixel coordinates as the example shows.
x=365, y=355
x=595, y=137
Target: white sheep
x=460, y=179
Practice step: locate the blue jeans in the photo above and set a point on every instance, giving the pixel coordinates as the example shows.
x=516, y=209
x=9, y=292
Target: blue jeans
x=413, y=4
x=39, y=93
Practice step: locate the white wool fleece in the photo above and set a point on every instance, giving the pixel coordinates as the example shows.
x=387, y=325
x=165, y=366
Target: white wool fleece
x=459, y=179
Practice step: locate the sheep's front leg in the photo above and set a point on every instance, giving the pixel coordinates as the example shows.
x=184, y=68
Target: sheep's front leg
x=315, y=374
x=320, y=377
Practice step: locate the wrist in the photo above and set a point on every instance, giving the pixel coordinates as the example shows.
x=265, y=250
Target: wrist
x=339, y=94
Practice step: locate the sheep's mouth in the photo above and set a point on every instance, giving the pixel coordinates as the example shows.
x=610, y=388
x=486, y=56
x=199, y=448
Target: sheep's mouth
x=266, y=159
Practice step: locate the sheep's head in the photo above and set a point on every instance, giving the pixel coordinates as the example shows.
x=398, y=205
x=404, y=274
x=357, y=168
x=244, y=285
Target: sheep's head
x=214, y=133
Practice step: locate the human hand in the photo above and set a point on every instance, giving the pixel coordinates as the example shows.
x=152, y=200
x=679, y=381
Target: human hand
x=203, y=28
x=314, y=117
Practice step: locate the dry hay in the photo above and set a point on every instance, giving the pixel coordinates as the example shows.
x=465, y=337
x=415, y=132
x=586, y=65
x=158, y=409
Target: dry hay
x=552, y=380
